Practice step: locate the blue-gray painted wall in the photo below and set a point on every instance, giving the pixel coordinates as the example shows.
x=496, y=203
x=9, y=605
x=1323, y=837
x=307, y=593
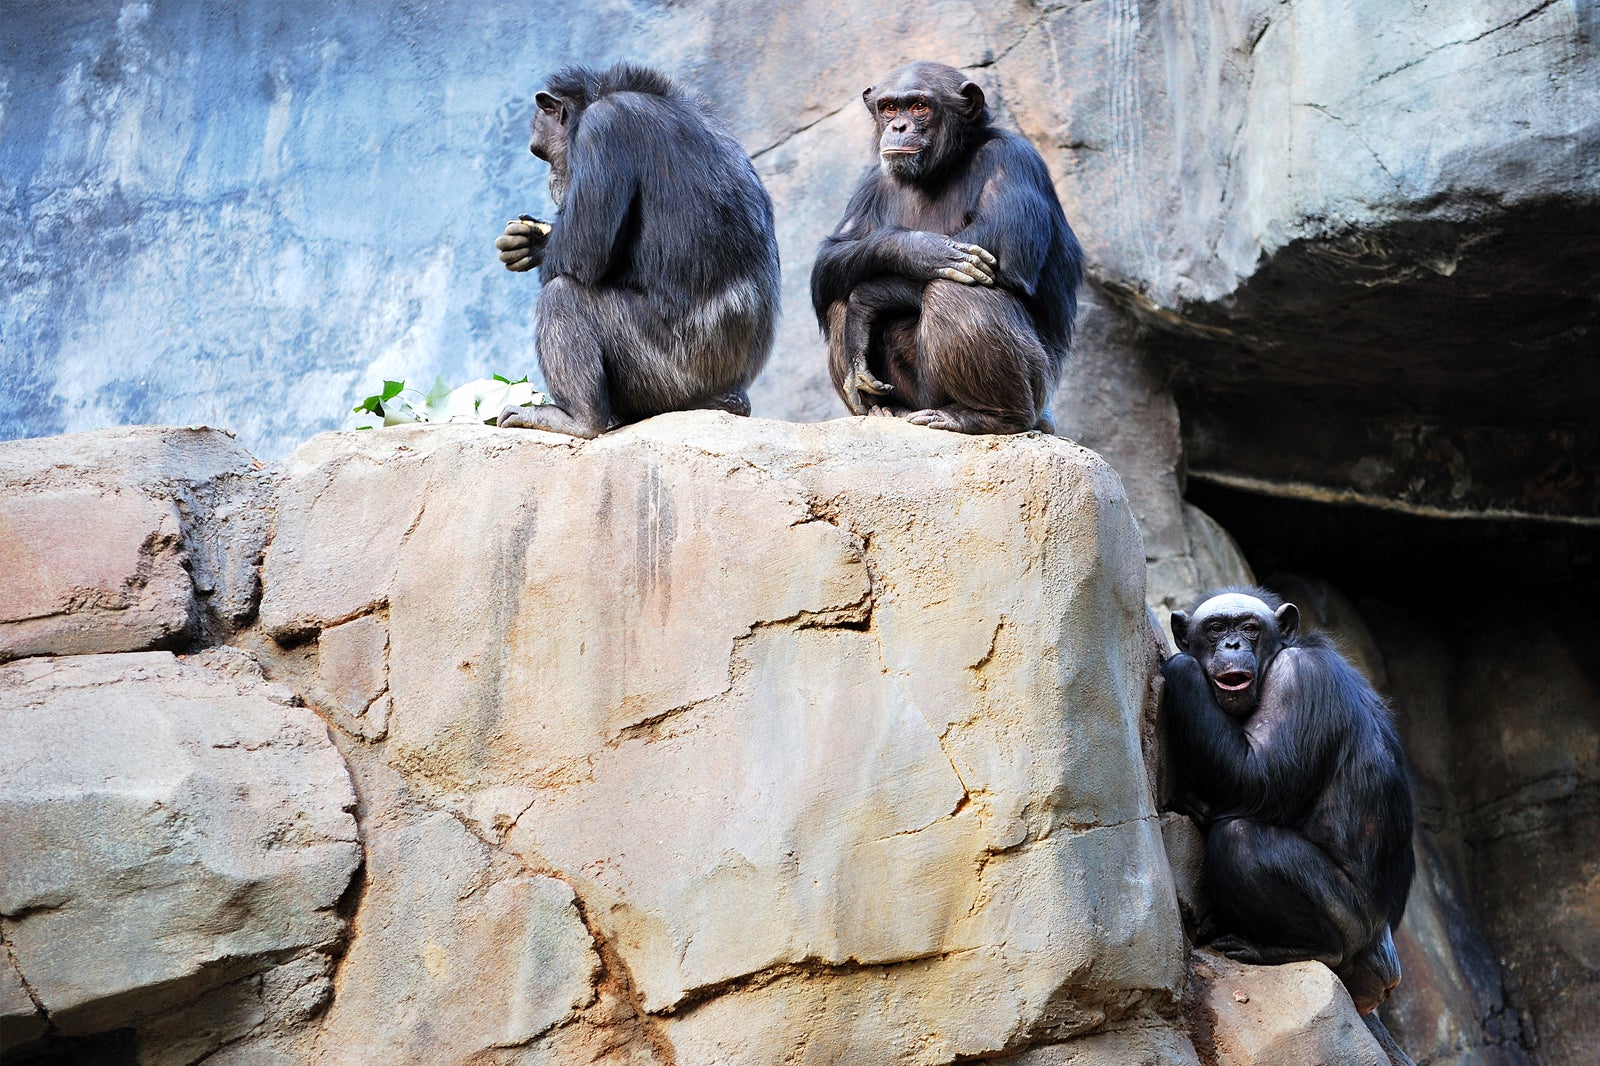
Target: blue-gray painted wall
x=245, y=214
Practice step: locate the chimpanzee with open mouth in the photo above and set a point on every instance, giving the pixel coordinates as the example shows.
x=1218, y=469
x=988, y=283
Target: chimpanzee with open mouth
x=1291, y=763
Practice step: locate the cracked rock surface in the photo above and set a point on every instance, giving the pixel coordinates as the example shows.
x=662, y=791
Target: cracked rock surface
x=172, y=826
x=722, y=740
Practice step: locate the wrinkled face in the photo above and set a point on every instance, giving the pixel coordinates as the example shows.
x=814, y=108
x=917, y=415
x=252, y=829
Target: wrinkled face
x=917, y=112
x=1234, y=637
x=548, y=140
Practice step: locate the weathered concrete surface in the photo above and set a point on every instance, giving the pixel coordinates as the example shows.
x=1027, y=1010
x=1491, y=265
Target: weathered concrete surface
x=171, y=826
x=124, y=539
x=834, y=731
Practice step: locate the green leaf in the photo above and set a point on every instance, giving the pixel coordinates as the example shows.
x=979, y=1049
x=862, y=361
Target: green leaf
x=439, y=391
x=391, y=389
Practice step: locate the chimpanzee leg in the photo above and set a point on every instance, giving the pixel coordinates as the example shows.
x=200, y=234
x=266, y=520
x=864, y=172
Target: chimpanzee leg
x=1281, y=897
x=852, y=324
x=571, y=343
x=609, y=357
x=978, y=352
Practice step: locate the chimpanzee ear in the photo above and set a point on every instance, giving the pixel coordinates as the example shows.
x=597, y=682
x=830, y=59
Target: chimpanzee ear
x=1288, y=617
x=1180, y=627
x=972, y=93
x=866, y=96
x=546, y=102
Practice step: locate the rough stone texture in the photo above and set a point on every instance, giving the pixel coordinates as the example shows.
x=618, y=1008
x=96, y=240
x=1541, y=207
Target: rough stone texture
x=170, y=828
x=454, y=956
x=833, y=730
x=1288, y=1015
x=125, y=539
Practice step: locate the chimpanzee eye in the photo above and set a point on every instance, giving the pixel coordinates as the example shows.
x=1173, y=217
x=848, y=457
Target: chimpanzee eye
x=889, y=109
x=919, y=108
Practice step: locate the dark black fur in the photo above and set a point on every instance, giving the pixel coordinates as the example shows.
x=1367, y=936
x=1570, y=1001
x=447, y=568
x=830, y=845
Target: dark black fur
x=660, y=283
x=979, y=358
x=1302, y=793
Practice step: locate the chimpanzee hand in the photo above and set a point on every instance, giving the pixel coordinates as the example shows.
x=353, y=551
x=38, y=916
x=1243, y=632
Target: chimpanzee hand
x=940, y=257
x=522, y=245
x=860, y=379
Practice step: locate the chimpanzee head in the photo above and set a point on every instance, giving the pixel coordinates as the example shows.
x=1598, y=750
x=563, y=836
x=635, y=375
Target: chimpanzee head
x=1234, y=634
x=560, y=106
x=923, y=112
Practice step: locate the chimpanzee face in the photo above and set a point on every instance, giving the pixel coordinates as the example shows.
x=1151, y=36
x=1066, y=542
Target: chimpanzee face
x=1234, y=637
x=548, y=139
x=917, y=111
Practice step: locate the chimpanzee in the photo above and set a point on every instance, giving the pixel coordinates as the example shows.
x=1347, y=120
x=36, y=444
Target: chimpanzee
x=659, y=276
x=1293, y=763
x=948, y=292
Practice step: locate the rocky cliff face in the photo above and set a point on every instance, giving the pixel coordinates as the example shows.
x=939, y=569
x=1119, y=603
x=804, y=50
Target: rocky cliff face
x=714, y=740
x=1343, y=258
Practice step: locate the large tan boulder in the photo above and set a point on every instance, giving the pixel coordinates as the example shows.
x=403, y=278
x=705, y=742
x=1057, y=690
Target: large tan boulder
x=124, y=540
x=831, y=732
x=171, y=826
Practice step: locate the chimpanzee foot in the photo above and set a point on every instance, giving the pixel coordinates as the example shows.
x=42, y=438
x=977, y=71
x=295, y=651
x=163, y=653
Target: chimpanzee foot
x=934, y=418
x=1236, y=948
x=547, y=417
x=736, y=402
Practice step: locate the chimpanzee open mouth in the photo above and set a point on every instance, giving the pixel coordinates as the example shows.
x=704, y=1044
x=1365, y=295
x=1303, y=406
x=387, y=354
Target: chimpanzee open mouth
x=1234, y=680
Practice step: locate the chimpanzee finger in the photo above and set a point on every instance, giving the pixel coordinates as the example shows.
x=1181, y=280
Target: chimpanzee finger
x=520, y=265
x=981, y=253
x=865, y=382
x=510, y=242
x=952, y=274
x=980, y=270
x=974, y=270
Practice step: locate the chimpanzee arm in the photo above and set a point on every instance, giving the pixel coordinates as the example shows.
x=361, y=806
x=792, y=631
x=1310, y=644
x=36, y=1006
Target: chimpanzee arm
x=588, y=238
x=1210, y=745
x=1017, y=214
x=862, y=247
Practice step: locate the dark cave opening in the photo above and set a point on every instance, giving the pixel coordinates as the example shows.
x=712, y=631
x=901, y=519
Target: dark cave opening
x=1391, y=555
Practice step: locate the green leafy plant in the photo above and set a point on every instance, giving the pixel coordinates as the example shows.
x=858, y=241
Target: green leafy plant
x=481, y=400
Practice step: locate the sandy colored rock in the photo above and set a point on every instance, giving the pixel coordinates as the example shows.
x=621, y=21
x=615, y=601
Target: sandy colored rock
x=1123, y=1047
x=455, y=954
x=168, y=828
x=836, y=721
x=96, y=554
x=1289, y=1015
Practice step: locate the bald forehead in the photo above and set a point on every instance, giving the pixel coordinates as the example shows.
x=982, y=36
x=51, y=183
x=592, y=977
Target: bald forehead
x=914, y=76
x=1232, y=604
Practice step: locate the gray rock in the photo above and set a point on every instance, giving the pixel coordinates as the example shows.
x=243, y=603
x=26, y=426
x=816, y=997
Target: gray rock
x=170, y=828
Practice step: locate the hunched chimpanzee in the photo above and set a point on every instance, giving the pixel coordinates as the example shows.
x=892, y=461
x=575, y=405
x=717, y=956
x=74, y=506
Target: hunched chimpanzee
x=947, y=294
x=659, y=276
x=1292, y=762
